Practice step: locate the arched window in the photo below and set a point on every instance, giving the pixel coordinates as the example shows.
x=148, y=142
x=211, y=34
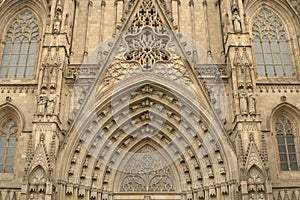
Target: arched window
x=285, y=131
x=8, y=133
x=270, y=46
x=20, y=47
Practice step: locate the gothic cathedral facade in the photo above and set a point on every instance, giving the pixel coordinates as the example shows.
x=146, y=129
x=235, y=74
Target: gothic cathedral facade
x=149, y=99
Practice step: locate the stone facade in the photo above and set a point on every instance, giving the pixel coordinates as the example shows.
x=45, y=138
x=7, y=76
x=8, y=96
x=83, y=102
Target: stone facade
x=149, y=99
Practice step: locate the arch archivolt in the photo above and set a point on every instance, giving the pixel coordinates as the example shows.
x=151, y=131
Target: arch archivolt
x=281, y=10
x=282, y=17
x=148, y=95
x=289, y=21
x=9, y=109
x=154, y=114
x=14, y=7
x=283, y=109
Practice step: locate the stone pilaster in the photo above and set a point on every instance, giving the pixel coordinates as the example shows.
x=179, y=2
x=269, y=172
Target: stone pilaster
x=47, y=124
x=247, y=134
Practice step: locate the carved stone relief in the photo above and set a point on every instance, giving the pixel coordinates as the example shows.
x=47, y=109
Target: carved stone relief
x=236, y=19
x=256, y=183
x=146, y=53
x=46, y=100
x=58, y=17
x=247, y=98
x=37, y=181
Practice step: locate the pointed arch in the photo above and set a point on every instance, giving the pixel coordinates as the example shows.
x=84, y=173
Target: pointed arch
x=284, y=125
x=270, y=45
x=39, y=8
x=142, y=92
x=37, y=183
x=273, y=33
x=10, y=127
x=287, y=108
x=281, y=9
x=24, y=24
x=255, y=175
x=201, y=156
x=146, y=162
x=11, y=109
x=20, y=46
x=256, y=181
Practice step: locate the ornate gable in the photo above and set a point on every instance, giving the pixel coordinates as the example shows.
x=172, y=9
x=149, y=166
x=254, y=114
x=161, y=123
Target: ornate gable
x=148, y=49
x=146, y=53
x=40, y=157
x=146, y=13
x=253, y=156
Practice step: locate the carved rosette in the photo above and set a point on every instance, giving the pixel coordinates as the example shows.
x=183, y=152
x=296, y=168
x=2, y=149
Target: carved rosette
x=146, y=53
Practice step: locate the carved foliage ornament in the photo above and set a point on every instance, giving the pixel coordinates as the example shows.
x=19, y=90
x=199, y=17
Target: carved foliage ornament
x=296, y=5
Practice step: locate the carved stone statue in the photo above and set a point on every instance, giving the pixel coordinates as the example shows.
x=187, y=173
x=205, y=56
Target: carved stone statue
x=261, y=197
x=53, y=78
x=45, y=77
x=51, y=103
x=251, y=197
x=42, y=102
x=57, y=21
x=251, y=102
x=243, y=102
x=32, y=197
x=236, y=21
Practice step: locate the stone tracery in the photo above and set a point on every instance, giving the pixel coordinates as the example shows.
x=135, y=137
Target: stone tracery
x=146, y=16
x=147, y=52
x=271, y=45
x=20, y=46
x=147, y=172
x=147, y=48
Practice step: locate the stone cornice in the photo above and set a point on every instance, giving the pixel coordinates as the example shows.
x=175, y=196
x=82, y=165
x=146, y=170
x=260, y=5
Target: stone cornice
x=18, y=88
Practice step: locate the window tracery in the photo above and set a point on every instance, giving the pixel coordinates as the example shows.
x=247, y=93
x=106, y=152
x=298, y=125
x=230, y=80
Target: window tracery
x=270, y=46
x=147, y=48
x=147, y=172
x=20, y=47
x=286, y=144
x=8, y=132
